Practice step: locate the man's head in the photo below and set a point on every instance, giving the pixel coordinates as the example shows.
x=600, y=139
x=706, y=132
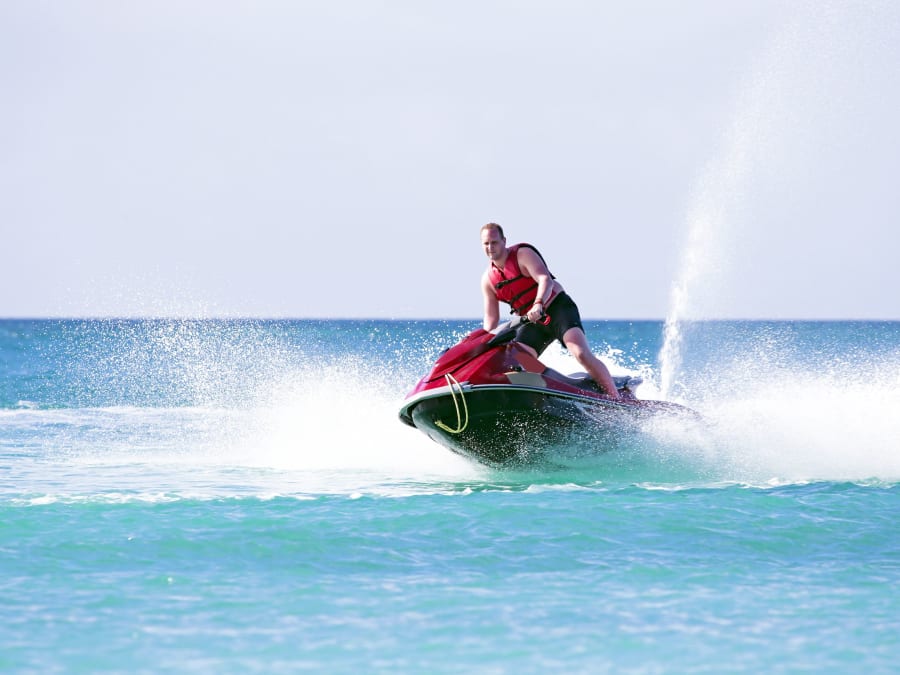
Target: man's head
x=494, y=226
x=493, y=241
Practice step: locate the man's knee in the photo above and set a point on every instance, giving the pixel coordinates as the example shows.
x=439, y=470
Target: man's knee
x=578, y=351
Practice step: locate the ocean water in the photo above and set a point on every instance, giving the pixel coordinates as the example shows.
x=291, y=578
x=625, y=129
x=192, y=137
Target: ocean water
x=239, y=496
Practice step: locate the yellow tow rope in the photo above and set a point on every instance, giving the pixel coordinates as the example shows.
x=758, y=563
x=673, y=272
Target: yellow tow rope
x=460, y=423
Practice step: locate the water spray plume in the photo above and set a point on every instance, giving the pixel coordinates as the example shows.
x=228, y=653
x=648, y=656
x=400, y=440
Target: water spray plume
x=784, y=112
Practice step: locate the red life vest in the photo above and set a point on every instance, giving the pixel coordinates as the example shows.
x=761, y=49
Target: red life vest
x=510, y=285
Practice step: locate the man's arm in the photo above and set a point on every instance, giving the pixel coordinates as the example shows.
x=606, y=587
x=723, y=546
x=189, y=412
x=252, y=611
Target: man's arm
x=491, y=305
x=531, y=264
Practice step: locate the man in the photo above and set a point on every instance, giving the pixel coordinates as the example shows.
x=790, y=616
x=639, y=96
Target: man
x=518, y=276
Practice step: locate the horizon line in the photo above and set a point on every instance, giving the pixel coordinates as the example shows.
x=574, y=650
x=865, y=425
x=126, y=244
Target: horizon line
x=178, y=317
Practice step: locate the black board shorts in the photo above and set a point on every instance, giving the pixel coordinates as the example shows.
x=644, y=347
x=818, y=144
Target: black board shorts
x=563, y=315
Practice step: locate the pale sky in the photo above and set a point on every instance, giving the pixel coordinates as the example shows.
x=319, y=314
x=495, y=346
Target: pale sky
x=337, y=159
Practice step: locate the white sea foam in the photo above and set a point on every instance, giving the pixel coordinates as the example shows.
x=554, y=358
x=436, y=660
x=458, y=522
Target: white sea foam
x=808, y=427
x=345, y=418
x=767, y=421
x=764, y=417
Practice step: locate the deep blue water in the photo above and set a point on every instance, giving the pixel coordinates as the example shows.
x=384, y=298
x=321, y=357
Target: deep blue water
x=232, y=496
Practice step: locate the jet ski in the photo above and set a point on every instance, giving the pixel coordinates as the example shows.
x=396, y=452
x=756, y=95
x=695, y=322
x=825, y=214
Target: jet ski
x=490, y=399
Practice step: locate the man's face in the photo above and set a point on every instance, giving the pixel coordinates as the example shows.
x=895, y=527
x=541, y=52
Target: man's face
x=494, y=245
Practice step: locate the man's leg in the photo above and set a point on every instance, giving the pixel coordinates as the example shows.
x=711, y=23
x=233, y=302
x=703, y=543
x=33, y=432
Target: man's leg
x=576, y=343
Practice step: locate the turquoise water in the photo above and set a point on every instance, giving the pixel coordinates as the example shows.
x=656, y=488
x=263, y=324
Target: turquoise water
x=233, y=496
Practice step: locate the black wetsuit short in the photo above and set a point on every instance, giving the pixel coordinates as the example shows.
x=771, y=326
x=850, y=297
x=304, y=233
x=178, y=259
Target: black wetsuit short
x=563, y=315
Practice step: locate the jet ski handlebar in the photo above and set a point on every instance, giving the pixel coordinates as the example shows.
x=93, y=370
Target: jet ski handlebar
x=506, y=331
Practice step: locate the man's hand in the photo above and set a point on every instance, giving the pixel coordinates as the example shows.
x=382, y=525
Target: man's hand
x=536, y=313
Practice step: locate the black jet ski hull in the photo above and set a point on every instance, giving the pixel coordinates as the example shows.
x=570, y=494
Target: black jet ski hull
x=514, y=426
